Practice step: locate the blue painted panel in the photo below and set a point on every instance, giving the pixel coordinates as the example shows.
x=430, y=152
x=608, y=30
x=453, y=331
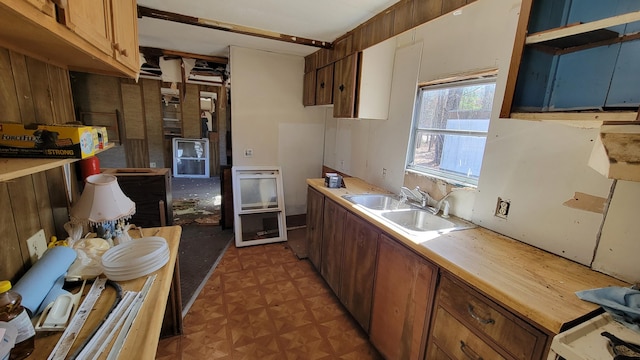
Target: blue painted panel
x=533, y=86
x=548, y=14
x=582, y=79
x=625, y=86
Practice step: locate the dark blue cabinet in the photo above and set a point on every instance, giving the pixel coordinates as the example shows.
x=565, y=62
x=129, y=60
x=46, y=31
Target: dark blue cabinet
x=596, y=69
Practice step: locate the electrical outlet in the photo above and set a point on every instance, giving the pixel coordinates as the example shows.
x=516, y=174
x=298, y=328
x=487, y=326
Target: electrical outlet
x=384, y=172
x=37, y=245
x=152, y=165
x=502, y=208
x=248, y=152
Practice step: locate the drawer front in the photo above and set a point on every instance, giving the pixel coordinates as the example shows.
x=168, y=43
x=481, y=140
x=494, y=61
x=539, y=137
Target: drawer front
x=457, y=341
x=515, y=336
x=435, y=353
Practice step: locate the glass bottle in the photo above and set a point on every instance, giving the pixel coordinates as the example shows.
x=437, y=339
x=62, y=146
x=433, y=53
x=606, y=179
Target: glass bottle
x=12, y=311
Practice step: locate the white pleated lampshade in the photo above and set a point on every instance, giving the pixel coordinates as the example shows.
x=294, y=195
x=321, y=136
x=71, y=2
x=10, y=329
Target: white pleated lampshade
x=102, y=202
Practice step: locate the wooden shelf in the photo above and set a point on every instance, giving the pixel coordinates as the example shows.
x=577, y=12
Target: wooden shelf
x=572, y=30
x=12, y=168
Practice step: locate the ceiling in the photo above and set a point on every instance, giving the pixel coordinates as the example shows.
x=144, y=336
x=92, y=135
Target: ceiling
x=312, y=19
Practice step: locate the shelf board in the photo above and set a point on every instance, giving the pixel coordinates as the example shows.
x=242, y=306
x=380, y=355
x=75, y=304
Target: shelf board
x=572, y=30
x=590, y=37
x=12, y=168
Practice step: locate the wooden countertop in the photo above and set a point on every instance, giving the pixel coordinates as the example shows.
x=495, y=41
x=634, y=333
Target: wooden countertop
x=142, y=340
x=537, y=285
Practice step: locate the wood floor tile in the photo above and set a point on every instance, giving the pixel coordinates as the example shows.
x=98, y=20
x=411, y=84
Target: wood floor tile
x=261, y=302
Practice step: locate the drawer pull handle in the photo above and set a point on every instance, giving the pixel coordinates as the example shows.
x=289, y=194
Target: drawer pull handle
x=478, y=318
x=468, y=352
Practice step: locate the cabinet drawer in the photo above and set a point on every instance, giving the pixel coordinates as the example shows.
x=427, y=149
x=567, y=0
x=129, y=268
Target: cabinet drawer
x=457, y=341
x=515, y=336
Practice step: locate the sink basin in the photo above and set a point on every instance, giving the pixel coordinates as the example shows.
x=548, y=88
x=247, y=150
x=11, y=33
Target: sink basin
x=378, y=201
x=421, y=220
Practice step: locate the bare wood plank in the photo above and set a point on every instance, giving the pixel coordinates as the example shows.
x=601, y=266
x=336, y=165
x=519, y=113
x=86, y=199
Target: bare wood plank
x=137, y=154
x=133, y=111
x=234, y=28
x=450, y=5
x=8, y=97
x=191, y=112
x=23, y=87
x=41, y=91
x=425, y=10
x=10, y=256
x=153, y=117
x=62, y=102
x=582, y=28
x=403, y=18
x=43, y=203
x=25, y=212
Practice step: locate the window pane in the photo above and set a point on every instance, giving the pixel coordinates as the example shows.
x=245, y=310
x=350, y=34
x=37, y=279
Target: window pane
x=450, y=129
x=458, y=154
x=439, y=105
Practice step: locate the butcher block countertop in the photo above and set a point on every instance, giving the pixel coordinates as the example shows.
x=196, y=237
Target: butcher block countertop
x=537, y=285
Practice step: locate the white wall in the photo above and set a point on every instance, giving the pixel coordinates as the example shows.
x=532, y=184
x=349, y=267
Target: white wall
x=536, y=165
x=267, y=116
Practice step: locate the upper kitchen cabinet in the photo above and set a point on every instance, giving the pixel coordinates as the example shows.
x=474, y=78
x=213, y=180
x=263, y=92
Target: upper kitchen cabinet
x=125, y=33
x=344, y=86
x=98, y=36
x=358, y=85
x=575, y=60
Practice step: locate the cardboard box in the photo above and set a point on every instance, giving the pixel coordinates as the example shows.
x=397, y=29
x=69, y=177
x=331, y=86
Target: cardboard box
x=47, y=141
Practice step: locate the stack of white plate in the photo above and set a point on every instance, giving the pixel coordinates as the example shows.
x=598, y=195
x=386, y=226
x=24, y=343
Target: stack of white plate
x=136, y=258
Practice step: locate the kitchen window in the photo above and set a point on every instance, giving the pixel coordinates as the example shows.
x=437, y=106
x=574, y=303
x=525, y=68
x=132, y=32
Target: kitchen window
x=449, y=129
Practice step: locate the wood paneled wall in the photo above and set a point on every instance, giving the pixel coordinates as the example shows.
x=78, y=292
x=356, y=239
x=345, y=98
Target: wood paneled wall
x=32, y=91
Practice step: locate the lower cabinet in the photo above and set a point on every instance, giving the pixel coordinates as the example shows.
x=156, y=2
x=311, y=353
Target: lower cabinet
x=410, y=308
x=402, y=300
x=332, y=244
x=315, y=208
x=358, y=268
x=467, y=325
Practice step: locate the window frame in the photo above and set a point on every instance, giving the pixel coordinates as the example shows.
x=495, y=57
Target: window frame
x=489, y=77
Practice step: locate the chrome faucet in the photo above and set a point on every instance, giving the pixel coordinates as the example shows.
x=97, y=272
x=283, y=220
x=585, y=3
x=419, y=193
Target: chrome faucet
x=416, y=195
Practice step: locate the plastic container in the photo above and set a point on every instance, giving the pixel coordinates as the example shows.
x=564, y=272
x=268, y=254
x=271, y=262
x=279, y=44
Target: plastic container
x=12, y=311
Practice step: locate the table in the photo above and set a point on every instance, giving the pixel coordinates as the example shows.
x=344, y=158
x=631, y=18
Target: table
x=142, y=340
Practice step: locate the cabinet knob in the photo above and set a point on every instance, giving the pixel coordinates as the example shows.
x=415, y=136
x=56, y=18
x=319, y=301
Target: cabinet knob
x=341, y=87
x=322, y=85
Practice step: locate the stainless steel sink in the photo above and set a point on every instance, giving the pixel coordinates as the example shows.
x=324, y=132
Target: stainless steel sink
x=422, y=220
x=378, y=201
x=410, y=218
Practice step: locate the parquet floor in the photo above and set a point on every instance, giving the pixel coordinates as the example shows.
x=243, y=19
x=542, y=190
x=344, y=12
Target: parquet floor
x=263, y=303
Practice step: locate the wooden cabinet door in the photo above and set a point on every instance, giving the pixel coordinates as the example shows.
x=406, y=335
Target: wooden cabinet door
x=358, y=268
x=91, y=20
x=402, y=299
x=309, y=89
x=324, y=85
x=315, y=204
x=332, y=244
x=344, y=86
x=125, y=33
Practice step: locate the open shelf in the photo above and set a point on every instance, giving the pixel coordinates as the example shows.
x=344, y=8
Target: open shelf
x=12, y=168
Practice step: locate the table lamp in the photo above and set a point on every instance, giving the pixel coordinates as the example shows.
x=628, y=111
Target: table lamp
x=103, y=205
